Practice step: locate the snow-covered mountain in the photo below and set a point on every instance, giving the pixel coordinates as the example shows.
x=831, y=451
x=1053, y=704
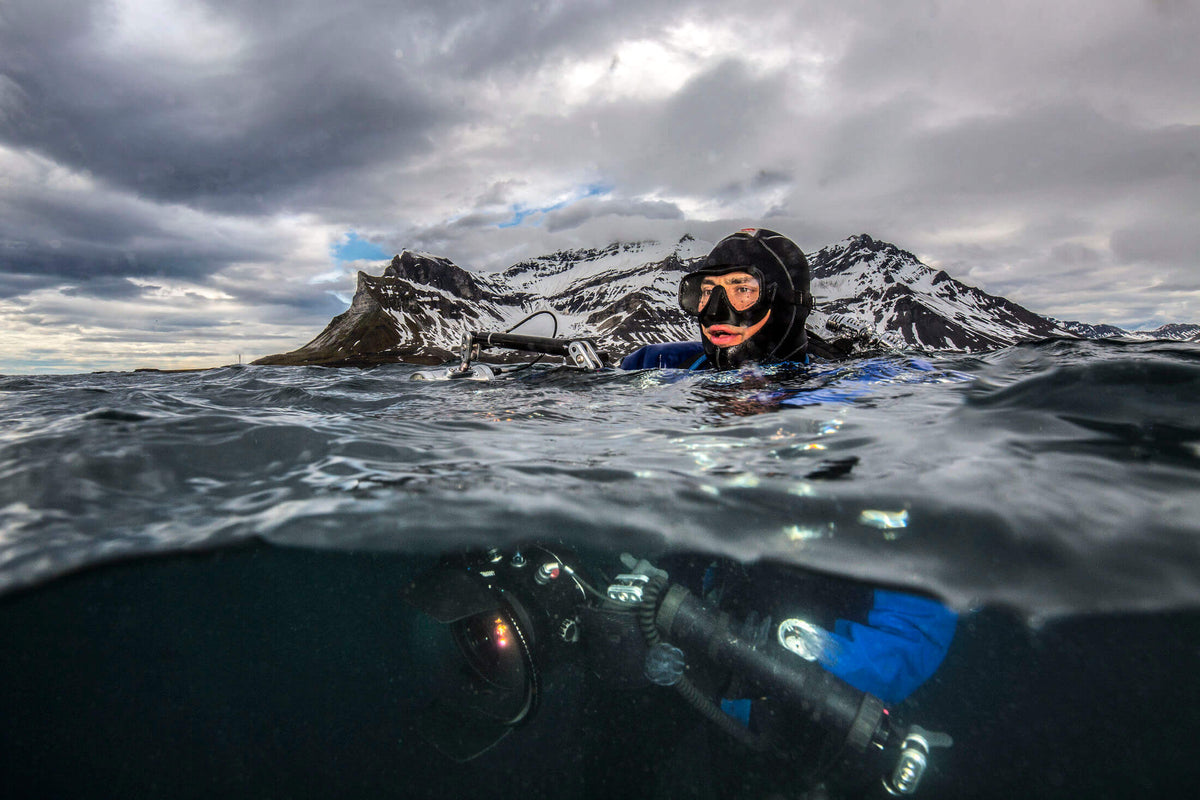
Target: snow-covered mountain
x=624, y=295
x=1172, y=332
x=1177, y=332
x=867, y=284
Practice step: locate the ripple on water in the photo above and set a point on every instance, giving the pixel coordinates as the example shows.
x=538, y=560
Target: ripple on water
x=1039, y=477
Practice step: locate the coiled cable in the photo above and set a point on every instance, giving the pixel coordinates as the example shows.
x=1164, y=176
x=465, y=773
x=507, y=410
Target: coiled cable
x=647, y=614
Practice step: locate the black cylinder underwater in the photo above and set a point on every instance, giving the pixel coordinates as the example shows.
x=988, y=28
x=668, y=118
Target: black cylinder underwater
x=820, y=696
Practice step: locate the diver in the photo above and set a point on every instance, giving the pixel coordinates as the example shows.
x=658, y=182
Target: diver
x=751, y=297
x=794, y=668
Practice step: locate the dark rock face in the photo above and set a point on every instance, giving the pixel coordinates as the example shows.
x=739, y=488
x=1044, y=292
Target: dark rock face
x=355, y=336
x=440, y=273
x=625, y=296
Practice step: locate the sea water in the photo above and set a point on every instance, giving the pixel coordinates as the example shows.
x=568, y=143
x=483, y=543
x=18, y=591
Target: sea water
x=200, y=572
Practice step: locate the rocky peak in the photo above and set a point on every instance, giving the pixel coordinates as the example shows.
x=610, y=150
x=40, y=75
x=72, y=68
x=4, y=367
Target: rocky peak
x=1178, y=332
x=440, y=273
x=886, y=261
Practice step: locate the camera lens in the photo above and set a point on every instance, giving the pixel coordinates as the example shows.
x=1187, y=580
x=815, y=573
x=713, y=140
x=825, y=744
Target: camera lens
x=491, y=645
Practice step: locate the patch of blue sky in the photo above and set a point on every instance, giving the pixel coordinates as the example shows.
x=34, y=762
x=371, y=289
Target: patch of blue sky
x=355, y=248
x=521, y=212
x=351, y=248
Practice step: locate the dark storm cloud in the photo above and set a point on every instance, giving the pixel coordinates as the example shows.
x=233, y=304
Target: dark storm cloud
x=16, y=285
x=302, y=112
x=440, y=237
x=117, y=310
x=475, y=39
x=95, y=268
x=725, y=110
x=215, y=150
x=281, y=302
x=1045, y=175
x=723, y=131
x=1014, y=53
x=106, y=288
x=762, y=180
x=499, y=192
x=52, y=234
x=298, y=102
x=309, y=93
x=1075, y=253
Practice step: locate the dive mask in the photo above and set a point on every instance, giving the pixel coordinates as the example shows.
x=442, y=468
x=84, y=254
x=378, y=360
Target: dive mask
x=720, y=292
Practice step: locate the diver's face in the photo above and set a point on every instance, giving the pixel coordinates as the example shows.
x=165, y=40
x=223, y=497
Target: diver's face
x=743, y=290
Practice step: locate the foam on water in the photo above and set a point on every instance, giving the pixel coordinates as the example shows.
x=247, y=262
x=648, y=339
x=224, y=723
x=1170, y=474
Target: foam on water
x=1055, y=478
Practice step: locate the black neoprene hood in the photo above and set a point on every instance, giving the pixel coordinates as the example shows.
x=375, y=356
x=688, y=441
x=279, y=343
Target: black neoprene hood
x=773, y=254
x=786, y=294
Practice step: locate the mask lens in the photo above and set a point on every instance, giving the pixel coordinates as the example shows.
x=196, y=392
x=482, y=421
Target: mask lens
x=742, y=287
x=689, y=293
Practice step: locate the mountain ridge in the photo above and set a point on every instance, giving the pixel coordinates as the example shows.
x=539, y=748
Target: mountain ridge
x=624, y=295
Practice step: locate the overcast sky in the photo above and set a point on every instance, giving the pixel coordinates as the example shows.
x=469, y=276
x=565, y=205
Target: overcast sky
x=182, y=181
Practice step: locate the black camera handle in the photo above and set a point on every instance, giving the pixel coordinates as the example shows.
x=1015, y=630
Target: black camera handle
x=858, y=718
x=579, y=352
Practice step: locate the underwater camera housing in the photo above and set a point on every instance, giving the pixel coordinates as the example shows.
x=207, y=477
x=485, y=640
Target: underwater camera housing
x=511, y=614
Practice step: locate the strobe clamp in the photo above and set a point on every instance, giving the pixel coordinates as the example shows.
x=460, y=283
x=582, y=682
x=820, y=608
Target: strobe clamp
x=628, y=589
x=913, y=760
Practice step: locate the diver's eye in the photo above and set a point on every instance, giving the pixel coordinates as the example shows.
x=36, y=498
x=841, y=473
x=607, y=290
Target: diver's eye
x=744, y=295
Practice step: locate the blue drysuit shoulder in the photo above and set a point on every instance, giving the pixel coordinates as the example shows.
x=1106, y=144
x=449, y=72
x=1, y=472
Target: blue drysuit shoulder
x=901, y=645
x=671, y=355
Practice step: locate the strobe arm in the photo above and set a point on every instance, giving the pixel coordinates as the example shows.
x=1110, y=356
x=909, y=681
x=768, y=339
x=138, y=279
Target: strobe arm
x=579, y=352
x=858, y=718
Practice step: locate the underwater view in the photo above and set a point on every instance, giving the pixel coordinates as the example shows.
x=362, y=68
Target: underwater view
x=271, y=581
